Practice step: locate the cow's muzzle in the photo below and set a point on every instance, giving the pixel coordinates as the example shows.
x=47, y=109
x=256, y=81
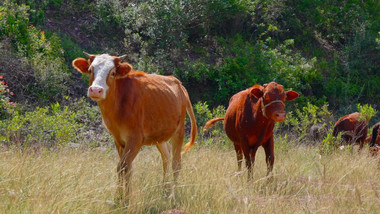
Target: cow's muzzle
x=95, y=93
x=279, y=116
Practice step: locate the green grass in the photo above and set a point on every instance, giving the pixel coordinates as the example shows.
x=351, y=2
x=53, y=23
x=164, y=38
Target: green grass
x=84, y=181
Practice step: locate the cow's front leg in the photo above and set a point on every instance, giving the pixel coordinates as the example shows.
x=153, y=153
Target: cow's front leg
x=269, y=153
x=124, y=168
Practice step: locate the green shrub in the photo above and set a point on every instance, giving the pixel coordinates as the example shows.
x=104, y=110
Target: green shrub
x=299, y=122
x=366, y=112
x=14, y=22
x=47, y=126
x=203, y=114
x=330, y=143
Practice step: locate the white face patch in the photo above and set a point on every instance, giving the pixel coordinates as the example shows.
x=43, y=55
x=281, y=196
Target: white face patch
x=102, y=65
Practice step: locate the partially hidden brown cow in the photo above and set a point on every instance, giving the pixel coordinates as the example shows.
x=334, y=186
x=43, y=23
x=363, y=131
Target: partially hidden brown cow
x=354, y=129
x=374, y=146
x=139, y=109
x=375, y=137
x=250, y=119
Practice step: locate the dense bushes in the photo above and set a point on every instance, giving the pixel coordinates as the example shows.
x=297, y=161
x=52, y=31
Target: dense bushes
x=42, y=51
x=327, y=51
x=242, y=64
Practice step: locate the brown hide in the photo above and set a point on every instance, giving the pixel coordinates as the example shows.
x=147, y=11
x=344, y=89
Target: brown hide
x=143, y=109
x=250, y=119
x=353, y=129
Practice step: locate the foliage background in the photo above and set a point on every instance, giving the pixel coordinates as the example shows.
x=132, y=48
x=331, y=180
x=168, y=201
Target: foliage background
x=326, y=51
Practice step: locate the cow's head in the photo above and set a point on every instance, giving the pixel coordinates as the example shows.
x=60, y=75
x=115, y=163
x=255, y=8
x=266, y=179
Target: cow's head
x=103, y=70
x=272, y=97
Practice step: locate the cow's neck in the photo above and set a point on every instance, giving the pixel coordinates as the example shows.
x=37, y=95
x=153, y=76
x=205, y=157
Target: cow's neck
x=260, y=112
x=267, y=124
x=115, y=106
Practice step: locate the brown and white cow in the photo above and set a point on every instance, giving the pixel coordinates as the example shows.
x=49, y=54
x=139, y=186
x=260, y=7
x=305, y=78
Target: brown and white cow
x=354, y=129
x=250, y=119
x=139, y=109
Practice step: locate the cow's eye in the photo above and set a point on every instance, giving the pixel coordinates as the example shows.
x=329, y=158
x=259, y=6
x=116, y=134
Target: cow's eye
x=113, y=74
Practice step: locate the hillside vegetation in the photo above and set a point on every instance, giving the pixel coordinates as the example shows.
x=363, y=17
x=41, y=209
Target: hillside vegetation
x=328, y=52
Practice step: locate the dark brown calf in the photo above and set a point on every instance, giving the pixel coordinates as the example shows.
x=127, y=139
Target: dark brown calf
x=250, y=119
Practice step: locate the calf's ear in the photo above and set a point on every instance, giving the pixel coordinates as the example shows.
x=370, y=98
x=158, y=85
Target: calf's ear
x=81, y=64
x=291, y=95
x=257, y=91
x=123, y=69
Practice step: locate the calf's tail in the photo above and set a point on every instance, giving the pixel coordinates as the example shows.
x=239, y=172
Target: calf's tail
x=212, y=122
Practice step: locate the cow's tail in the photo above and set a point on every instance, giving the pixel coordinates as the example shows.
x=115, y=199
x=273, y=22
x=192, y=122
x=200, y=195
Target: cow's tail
x=212, y=122
x=194, y=129
x=374, y=135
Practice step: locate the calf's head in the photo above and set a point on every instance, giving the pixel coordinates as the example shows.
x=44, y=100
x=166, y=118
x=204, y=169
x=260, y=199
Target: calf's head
x=272, y=97
x=103, y=70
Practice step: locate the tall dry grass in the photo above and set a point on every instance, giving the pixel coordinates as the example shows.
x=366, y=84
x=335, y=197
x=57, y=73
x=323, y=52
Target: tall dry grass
x=84, y=181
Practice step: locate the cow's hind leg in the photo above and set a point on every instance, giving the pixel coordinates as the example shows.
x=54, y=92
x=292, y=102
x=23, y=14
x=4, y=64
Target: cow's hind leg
x=177, y=141
x=248, y=163
x=239, y=155
x=165, y=155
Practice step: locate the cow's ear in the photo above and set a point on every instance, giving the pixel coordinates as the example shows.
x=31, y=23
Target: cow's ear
x=81, y=65
x=123, y=69
x=291, y=95
x=257, y=91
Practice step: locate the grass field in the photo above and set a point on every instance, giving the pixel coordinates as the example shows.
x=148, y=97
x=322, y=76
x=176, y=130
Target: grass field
x=84, y=181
